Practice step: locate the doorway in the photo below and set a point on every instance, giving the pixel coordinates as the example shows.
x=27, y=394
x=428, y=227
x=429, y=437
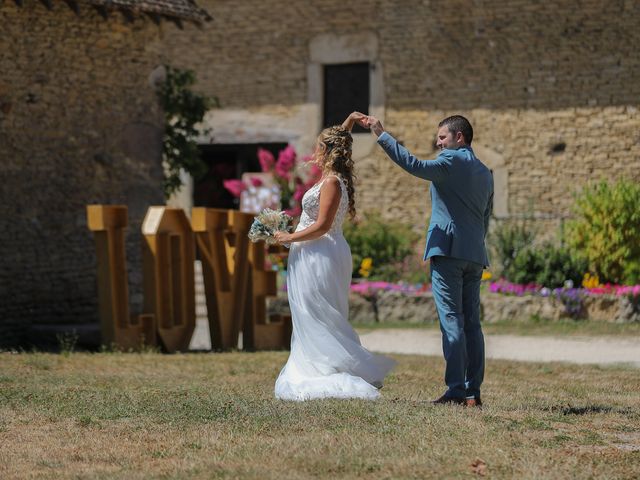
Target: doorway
x=227, y=162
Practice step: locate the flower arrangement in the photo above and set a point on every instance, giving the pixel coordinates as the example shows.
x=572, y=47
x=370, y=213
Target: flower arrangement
x=267, y=223
x=293, y=178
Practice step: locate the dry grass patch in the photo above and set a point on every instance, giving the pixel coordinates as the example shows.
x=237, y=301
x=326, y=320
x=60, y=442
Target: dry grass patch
x=214, y=416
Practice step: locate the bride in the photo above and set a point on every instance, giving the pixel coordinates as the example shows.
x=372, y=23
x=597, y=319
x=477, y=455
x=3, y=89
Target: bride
x=327, y=359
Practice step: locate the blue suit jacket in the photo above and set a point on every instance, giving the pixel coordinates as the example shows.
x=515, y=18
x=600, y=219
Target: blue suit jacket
x=461, y=199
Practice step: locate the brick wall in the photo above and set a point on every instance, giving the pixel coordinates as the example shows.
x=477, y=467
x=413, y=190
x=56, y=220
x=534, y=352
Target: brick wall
x=529, y=75
x=79, y=124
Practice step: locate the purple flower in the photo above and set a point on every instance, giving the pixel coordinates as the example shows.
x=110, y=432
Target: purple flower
x=572, y=299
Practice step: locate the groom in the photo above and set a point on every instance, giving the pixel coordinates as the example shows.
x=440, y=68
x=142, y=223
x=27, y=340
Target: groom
x=461, y=203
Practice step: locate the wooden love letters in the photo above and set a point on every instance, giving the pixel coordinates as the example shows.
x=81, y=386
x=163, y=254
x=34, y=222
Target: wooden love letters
x=117, y=326
x=237, y=284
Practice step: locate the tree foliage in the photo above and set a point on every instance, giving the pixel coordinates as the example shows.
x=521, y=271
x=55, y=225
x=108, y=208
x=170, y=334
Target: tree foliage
x=183, y=110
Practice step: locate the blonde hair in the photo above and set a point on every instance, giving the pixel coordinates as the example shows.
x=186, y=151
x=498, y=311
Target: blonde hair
x=335, y=157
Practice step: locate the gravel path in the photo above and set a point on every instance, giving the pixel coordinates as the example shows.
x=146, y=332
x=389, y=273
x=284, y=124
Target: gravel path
x=585, y=350
x=594, y=350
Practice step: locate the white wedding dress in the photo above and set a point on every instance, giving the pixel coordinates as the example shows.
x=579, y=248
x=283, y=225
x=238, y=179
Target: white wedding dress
x=327, y=359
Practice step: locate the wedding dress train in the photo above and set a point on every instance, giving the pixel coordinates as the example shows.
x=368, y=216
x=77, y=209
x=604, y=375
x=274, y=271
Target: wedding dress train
x=326, y=359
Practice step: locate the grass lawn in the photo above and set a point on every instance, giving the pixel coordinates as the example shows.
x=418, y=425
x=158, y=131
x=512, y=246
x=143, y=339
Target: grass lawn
x=532, y=326
x=115, y=415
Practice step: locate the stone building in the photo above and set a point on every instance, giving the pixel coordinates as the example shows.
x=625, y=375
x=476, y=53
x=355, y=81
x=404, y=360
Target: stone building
x=79, y=123
x=552, y=89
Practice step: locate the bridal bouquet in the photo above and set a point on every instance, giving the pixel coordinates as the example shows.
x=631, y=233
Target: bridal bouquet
x=267, y=223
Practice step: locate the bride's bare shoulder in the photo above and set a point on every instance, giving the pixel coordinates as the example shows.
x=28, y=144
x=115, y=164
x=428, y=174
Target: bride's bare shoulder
x=331, y=187
x=331, y=180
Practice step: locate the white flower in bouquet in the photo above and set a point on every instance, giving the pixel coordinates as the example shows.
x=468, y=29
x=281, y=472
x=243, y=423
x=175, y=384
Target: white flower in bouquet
x=267, y=223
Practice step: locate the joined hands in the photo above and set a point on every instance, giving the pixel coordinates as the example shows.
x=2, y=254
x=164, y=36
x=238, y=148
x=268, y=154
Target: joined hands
x=366, y=121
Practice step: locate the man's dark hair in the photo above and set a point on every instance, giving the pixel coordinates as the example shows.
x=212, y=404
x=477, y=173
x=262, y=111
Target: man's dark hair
x=457, y=123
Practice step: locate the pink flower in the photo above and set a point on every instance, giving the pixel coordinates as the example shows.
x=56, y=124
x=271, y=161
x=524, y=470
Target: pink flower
x=315, y=172
x=299, y=192
x=236, y=187
x=361, y=288
x=294, y=212
x=255, y=181
x=266, y=159
x=286, y=161
x=502, y=286
x=633, y=290
x=282, y=173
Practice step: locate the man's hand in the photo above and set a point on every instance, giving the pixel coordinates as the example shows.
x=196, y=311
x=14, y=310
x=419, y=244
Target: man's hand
x=375, y=125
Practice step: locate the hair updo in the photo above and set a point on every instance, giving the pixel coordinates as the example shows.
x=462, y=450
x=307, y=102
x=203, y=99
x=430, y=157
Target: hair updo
x=335, y=157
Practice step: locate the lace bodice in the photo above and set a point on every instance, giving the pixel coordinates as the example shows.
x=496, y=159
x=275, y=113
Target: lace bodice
x=311, y=208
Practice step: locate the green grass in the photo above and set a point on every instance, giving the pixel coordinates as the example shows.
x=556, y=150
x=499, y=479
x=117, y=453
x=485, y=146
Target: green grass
x=116, y=415
x=532, y=326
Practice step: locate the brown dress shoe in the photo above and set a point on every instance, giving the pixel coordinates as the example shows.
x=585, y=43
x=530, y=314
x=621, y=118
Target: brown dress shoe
x=473, y=402
x=444, y=400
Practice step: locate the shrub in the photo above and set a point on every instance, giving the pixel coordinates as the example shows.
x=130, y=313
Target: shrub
x=411, y=270
x=606, y=230
x=547, y=265
x=386, y=243
x=506, y=241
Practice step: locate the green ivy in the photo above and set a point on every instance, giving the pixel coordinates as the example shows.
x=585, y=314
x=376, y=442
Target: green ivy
x=183, y=110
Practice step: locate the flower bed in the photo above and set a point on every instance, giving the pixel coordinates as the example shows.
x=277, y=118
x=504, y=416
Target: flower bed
x=501, y=301
x=590, y=302
x=387, y=302
x=368, y=289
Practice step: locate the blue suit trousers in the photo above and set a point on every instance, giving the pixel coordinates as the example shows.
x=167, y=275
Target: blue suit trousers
x=455, y=285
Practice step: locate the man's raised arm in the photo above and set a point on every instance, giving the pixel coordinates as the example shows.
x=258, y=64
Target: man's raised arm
x=433, y=170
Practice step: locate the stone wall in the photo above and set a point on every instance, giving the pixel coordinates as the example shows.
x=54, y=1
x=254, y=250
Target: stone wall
x=79, y=124
x=398, y=308
x=553, y=93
